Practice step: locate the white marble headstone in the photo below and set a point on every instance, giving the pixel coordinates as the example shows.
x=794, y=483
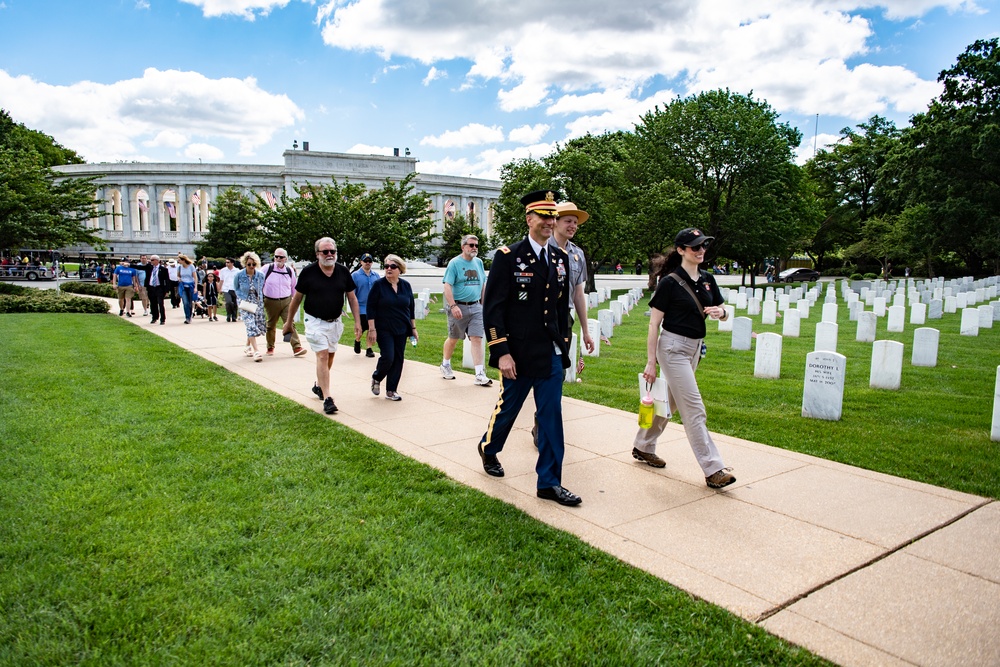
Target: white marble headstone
x=823, y=390
x=727, y=324
x=985, y=316
x=826, y=336
x=897, y=318
x=571, y=371
x=616, y=311
x=866, y=327
x=830, y=312
x=770, y=312
x=594, y=327
x=970, y=322
x=803, y=306
x=995, y=431
x=791, y=324
x=753, y=306
x=878, y=306
x=887, y=365
x=607, y=320
x=742, y=328
x=918, y=313
x=925, y=347
x=767, y=359
x=935, y=309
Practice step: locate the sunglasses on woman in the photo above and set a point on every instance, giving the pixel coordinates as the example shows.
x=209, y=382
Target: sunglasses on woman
x=394, y=267
x=699, y=247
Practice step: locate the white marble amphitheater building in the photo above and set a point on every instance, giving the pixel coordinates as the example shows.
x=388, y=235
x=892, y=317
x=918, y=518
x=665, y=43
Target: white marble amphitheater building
x=166, y=208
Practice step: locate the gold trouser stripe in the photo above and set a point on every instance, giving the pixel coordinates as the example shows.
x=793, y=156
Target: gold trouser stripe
x=493, y=416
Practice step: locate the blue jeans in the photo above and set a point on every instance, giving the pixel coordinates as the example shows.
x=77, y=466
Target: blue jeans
x=187, y=296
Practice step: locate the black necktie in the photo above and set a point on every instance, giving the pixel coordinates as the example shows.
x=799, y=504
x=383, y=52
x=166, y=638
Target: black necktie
x=541, y=258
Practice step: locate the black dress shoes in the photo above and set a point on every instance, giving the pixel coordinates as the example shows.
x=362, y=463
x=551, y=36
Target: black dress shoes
x=491, y=464
x=560, y=495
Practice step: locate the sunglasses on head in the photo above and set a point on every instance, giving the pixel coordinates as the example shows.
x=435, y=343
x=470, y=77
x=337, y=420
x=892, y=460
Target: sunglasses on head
x=394, y=267
x=328, y=252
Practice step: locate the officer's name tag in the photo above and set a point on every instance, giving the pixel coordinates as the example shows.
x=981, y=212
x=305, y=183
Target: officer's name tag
x=523, y=278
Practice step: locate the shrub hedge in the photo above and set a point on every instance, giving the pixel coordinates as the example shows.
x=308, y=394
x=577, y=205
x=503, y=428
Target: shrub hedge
x=93, y=289
x=19, y=299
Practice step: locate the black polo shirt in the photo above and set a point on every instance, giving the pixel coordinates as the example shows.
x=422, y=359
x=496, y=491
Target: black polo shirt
x=680, y=313
x=324, y=295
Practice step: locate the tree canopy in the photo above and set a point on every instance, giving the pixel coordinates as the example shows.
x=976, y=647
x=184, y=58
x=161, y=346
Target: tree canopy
x=948, y=160
x=391, y=219
x=38, y=208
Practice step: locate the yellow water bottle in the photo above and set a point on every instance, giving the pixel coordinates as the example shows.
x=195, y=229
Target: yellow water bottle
x=646, y=410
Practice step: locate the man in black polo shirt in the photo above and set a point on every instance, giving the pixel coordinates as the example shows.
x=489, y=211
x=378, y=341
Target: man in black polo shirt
x=325, y=283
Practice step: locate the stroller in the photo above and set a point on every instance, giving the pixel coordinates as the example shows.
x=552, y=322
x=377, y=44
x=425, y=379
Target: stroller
x=198, y=307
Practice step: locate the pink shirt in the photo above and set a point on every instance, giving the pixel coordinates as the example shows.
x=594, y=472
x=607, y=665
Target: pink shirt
x=278, y=283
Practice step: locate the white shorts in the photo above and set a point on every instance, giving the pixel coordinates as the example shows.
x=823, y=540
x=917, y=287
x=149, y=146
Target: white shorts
x=323, y=336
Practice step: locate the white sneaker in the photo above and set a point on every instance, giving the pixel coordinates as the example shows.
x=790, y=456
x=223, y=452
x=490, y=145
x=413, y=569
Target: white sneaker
x=482, y=380
x=446, y=372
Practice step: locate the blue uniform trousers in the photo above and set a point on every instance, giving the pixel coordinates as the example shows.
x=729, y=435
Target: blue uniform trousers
x=548, y=407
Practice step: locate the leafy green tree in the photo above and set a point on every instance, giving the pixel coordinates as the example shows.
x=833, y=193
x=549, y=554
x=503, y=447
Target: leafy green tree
x=38, y=208
x=734, y=159
x=949, y=160
x=234, y=228
x=392, y=219
x=451, y=238
x=592, y=172
x=846, y=182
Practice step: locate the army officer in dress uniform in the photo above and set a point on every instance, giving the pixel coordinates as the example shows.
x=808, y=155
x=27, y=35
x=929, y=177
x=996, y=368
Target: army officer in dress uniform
x=526, y=317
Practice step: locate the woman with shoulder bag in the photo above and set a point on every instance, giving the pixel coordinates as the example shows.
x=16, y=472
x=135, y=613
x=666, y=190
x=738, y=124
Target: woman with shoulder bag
x=684, y=298
x=249, y=285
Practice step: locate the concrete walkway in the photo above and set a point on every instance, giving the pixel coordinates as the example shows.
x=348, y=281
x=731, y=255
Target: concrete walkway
x=859, y=567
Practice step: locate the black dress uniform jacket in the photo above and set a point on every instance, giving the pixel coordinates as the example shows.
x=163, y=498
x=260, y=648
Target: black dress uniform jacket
x=526, y=308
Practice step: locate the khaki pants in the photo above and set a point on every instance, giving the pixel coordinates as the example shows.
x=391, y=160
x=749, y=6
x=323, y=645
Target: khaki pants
x=678, y=357
x=141, y=291
x=275, y=309
x=125, y=297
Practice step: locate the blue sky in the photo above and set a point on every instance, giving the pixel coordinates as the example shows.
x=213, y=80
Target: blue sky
x=466, y=85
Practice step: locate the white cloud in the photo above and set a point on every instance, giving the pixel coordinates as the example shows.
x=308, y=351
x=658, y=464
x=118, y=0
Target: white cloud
x=528, y=134
x=433, y=74
x=485, y=165
x=104, y=122
x=820, y=141
x=793, y=53
x=203, y=152
x=142, y=4
x=247, y=9
x=471, y=135
x=365, y=149
x=167, y=139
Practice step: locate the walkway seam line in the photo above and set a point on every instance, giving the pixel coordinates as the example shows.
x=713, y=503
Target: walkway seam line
x=801, y=596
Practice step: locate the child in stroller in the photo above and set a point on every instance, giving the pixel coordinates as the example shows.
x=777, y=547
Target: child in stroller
x=198, y=306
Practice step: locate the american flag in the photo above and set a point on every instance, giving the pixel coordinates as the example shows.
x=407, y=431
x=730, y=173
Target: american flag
x=143, y=205
x=271, y=200
x=196, y=199
x=171, y=211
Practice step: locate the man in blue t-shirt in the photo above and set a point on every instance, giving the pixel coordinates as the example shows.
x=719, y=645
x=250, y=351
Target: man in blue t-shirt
x=463, y=293
x=124, y=279
x=364, y=278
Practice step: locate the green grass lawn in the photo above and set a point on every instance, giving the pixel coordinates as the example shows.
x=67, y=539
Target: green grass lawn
x=934, y=429
x=156, y=509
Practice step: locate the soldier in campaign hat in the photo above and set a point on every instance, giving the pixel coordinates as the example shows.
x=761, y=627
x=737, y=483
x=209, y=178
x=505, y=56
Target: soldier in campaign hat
x=526, y=316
